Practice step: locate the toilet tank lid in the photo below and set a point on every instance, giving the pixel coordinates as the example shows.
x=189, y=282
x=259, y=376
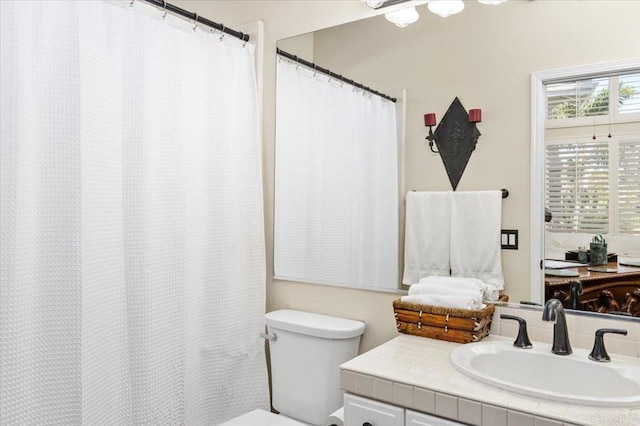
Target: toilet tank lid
x=316, y=325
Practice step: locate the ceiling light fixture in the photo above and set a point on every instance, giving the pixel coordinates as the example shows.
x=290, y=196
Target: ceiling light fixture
x=403, y=17
x=409, y=15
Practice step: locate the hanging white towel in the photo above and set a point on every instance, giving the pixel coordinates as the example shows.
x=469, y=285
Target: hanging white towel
x=475, y=236
x=455, y=302
x=426, y=238
x=489, y=292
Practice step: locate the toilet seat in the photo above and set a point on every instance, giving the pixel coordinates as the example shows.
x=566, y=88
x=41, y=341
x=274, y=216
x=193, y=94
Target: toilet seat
x=262, y=418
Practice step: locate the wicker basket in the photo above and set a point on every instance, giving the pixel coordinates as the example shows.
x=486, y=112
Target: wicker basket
x=454, y=325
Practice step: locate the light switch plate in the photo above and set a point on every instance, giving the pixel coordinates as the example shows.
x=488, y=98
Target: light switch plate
x=509, y=239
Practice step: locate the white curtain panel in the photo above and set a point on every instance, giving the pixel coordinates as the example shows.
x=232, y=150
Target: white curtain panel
x=336, y=182
x=133, y=265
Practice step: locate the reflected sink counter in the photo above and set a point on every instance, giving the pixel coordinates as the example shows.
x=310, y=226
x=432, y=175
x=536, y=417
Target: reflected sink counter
x=416, y=373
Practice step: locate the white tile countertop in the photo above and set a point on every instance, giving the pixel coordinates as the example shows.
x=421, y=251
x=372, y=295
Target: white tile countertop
x=415, y=372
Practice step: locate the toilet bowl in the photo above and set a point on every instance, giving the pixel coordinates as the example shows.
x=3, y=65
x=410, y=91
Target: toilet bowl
x=306, y=350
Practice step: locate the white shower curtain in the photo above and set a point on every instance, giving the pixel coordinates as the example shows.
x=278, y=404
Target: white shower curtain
x=336, y=183
x=133, y=267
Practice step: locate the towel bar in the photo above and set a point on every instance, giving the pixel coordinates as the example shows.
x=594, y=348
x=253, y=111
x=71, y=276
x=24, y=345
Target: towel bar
x=505, y=192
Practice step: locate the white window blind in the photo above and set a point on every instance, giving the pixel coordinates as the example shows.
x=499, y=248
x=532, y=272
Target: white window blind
x=629, y=187
x=577, y=187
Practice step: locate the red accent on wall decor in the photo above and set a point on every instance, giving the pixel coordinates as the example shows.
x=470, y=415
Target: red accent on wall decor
x=475, y=115
x=429, y=119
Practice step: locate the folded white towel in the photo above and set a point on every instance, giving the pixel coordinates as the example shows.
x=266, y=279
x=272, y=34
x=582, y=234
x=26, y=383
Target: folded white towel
x=461, y=296
x=489, y=292
x=456, y=302
x=426, y=238
x=444, y=290
x=475, y=236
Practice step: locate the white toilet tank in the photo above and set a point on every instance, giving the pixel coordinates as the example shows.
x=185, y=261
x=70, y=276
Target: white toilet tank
x=305, y=360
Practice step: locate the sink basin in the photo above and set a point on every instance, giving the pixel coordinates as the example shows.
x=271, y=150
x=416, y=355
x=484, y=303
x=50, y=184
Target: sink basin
x=537, y=372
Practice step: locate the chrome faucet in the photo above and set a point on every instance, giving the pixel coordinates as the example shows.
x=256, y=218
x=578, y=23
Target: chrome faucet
x=554, y=311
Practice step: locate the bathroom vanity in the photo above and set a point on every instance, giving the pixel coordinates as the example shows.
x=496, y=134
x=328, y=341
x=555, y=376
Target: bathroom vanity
x=410, y=380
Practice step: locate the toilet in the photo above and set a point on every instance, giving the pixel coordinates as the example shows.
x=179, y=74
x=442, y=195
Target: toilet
x=306, y=350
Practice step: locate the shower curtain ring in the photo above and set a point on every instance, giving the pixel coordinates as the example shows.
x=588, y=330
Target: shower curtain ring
x=314, y=70
x=164, y=9
x=222, y=32
x=131, y=3
x=195, y=26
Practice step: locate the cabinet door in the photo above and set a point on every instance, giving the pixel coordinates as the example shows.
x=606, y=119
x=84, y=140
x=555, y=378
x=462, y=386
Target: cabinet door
x=360, y=411
x=420, y=419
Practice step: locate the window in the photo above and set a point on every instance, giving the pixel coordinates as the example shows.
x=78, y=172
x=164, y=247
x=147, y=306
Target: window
x=575, y=99
x=629, y=187
x=577, y=187
x=594, y=186
x=591, y=101
x=592, y=159
x=629, y=94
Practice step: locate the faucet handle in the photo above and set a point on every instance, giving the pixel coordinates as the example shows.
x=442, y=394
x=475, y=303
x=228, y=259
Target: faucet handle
x=522, y=341
x=599, y=353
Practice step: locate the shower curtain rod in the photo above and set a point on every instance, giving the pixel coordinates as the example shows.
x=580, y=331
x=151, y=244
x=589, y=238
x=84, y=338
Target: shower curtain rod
x=163, y=5
x=332, y=74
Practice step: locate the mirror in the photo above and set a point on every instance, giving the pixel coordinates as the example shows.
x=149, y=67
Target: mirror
x=590, y=119
x=471, y=56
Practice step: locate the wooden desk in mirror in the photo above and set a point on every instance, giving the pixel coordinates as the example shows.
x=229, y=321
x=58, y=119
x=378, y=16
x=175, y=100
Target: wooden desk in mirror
x=616, y=291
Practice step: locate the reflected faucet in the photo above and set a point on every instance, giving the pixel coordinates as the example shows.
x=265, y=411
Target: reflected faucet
x=575, y=291
x=554, y=311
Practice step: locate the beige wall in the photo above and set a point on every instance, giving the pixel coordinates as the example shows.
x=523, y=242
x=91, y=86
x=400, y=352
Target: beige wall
x=485, y=56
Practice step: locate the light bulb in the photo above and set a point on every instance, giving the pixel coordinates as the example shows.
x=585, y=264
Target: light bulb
x=403, y=17
x=446, y=8
x=373, y=4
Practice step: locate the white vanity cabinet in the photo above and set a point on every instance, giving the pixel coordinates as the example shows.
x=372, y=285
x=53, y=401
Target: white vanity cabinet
x=413, y=418
x=359, y=411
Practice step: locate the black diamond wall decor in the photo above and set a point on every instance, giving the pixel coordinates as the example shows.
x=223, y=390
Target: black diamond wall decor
x=456, y=139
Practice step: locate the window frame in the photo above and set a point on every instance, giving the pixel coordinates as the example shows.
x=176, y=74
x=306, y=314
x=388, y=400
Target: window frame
x=613, y=115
